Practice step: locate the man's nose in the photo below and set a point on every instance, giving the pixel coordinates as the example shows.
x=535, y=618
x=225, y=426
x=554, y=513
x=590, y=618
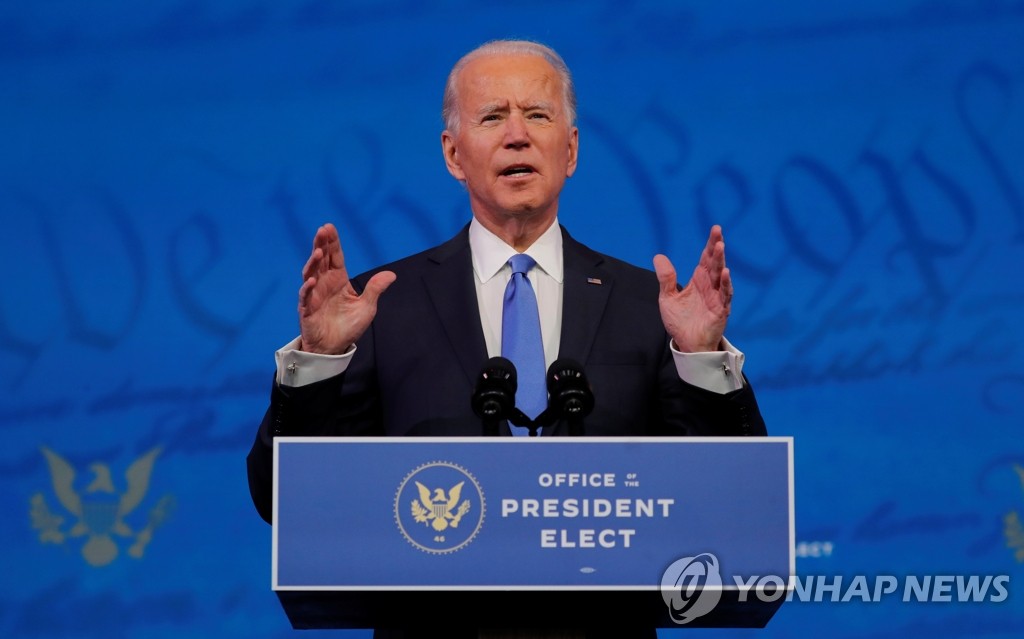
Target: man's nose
x=516, y=133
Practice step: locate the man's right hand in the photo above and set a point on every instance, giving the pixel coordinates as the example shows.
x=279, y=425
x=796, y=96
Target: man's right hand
x=332, y=316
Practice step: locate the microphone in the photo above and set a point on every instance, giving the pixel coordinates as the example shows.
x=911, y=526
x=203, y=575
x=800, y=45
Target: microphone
x=569, y=395
x=494, y=398
x=568, y=390
x=495, y=394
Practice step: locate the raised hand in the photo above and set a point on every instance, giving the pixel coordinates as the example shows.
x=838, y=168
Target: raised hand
x=332, y=316
x=695, y=316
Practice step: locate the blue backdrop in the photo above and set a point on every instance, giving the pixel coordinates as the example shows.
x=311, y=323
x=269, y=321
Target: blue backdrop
x=164, y=168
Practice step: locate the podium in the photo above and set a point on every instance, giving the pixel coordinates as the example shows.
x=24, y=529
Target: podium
x=529, y=532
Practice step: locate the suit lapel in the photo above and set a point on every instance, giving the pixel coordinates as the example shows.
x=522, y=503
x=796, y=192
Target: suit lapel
x=448, y=279
x=449, y=282
x=585, y=291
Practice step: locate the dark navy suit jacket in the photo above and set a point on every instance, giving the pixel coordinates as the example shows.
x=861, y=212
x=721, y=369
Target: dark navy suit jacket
x=416, y=367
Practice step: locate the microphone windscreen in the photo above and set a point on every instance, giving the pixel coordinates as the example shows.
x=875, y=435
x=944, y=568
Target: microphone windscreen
x=564, y=370
x=568, y=389
x=499, y=370
x=495, y=393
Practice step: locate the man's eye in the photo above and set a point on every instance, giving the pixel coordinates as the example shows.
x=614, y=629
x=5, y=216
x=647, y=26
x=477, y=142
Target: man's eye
x=539, y=116
x=493, y=117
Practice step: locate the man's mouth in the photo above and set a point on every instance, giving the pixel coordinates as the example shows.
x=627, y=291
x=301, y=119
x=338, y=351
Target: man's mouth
x=518, y=169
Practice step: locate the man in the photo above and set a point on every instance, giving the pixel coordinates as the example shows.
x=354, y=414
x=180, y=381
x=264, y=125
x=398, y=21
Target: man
x=397, y=351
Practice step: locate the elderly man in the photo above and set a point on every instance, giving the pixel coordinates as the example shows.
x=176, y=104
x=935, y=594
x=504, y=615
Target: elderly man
x=397, y=351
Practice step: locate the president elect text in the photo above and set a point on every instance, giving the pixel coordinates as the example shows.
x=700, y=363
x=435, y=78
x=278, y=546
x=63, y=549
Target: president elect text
x=589, y=507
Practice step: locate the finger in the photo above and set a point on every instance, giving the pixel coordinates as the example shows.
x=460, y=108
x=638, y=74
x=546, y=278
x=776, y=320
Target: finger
x=726, y=289
x=312, y=265
x=716, y=264
x=666, y=274
x=714, y=237
x=305, y=296
x=320, y=239
x=332, y=248
x=321, y=242
x=721, y=257
x=377, y=285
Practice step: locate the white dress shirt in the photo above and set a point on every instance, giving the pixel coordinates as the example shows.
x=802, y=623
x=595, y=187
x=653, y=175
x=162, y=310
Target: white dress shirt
x=719, y=371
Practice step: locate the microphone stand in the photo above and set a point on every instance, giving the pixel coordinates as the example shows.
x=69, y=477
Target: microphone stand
x=519, y=418
x=569, y=397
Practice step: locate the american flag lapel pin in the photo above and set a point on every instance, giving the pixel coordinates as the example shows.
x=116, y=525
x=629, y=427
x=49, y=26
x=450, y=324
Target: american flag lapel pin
x=594, y=280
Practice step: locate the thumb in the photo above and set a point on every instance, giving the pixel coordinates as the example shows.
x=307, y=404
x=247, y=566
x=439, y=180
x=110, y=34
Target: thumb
x=377, y=285
x=666, y=274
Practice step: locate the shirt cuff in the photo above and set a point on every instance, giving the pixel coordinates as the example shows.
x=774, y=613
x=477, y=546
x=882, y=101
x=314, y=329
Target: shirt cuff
x=298, y=368
x=717, y=371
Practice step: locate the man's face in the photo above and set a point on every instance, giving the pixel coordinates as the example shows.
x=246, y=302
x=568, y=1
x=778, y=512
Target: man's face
x=515, y=146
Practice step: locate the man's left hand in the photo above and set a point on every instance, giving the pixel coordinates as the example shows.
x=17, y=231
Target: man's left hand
x=695, y=316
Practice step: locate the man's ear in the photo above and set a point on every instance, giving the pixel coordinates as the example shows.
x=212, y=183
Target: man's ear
x=574, y=147
x=451, y=156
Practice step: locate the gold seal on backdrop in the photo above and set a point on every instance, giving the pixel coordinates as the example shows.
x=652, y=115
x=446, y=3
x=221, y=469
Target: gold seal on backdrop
x=99, y=510
x=1012, y=527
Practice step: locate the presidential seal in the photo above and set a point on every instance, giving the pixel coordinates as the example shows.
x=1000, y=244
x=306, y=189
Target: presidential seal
x=439, y=507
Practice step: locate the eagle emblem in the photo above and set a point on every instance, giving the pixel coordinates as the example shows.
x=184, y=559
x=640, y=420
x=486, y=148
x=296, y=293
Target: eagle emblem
x=99, y=511
x=440, y=510
x=436, y=520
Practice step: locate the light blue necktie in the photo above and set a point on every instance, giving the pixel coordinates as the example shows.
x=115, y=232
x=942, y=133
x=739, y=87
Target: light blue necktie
x=520, y=338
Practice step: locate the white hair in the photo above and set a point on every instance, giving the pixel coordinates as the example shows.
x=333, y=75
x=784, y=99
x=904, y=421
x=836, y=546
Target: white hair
x=449, y=105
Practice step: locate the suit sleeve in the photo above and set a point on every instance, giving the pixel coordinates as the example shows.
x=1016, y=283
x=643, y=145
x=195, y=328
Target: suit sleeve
x=690, y=410
x=344, y=405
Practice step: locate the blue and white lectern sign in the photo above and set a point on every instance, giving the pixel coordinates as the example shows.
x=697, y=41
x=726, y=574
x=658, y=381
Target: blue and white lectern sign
x=366, y=514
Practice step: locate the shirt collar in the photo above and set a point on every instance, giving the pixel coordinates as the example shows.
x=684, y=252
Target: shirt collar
x=490, y=253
